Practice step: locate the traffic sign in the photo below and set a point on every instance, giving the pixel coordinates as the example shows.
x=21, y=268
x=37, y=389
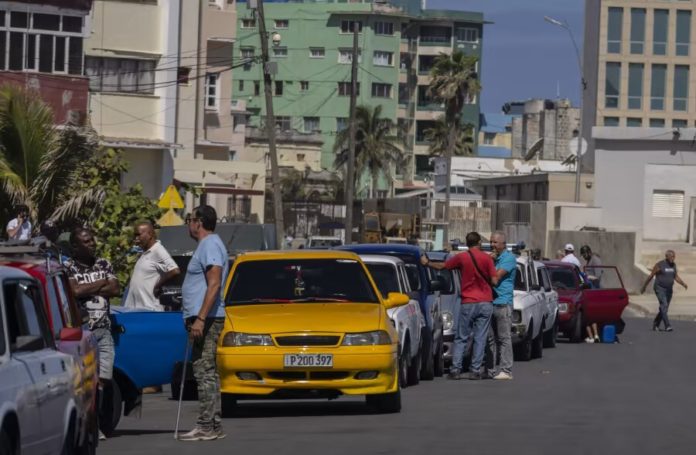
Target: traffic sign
x=171, y=199
x=170, y=218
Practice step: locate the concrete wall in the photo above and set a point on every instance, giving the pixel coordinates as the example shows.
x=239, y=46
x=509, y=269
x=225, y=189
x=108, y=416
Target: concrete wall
x=575, y=218
x=614, y=248
x=667, y=177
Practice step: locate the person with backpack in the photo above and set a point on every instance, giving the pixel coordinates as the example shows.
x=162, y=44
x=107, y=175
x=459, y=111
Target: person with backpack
x=478, y=275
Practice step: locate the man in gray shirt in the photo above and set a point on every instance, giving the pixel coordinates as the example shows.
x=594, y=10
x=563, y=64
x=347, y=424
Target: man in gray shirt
x=593, y=266
x=665, y=273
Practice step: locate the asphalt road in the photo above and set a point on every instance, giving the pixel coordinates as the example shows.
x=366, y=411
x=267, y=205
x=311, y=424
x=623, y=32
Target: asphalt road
x=636, y=397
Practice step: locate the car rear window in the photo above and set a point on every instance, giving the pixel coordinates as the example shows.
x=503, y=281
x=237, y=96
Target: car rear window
x=563, y=278
x=385, y=278
x=300, y=280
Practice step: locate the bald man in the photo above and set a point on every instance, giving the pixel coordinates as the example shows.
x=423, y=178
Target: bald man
x=154, y=268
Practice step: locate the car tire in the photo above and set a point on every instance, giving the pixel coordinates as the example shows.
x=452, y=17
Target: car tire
x=385, y=403
x=112, y=408
x=576, y=331
x=404, y=365
x=228, y=403
x=428, y=366
x=6, y=444
x=414, y=368
x=538, y=343
x=440, y=359
x=551, y=335
x=523, y=351
x=69, y=441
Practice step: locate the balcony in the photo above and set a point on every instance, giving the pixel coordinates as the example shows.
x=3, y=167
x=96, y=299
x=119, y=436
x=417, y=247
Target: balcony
x=257, y=134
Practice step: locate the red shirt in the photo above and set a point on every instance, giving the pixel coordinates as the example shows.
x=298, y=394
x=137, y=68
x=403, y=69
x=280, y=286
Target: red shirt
x=474, y=288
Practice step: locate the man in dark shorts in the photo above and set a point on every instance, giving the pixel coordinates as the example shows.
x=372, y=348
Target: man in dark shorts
x=665, y=274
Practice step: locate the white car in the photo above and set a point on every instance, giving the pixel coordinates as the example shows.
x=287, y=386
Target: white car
x=529, y=312
x=37, y=400
x=389, y=273
x=551, y=297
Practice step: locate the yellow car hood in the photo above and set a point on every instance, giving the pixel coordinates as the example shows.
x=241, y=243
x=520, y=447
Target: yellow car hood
x=306, y=317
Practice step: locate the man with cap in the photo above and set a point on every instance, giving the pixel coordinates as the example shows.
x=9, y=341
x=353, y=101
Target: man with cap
x=569, y=256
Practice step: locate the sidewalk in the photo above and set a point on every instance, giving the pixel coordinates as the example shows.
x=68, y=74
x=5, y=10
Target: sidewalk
x=682, y=308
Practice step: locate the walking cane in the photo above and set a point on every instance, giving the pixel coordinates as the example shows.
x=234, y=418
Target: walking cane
x=181, y=387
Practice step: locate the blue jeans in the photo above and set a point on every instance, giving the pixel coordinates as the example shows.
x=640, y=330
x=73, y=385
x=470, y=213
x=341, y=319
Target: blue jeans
x=474, y=320
x=664, y=297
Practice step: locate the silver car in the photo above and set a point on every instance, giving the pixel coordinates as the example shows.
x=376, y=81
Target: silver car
x=450, y=301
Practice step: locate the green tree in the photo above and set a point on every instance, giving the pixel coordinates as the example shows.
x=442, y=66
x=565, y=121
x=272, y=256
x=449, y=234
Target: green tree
x=438, y=139
x=377, y=146
x=40, y=163
x=453, y=81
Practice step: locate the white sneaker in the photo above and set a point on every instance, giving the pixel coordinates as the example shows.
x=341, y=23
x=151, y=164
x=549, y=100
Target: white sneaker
x=199, y=434
x=503, y=376
x=102, y=436
x=589, y=340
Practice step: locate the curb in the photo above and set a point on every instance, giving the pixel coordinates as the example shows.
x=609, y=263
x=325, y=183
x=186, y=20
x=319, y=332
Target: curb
x=645, y=312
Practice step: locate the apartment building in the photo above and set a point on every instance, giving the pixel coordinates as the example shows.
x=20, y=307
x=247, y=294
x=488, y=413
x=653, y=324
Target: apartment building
x=161, y=89
x=397, y=46
x=41, y=49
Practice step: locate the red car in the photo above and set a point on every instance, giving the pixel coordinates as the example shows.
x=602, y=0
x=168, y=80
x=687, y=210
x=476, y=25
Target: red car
x=598, y=297
x=66, y=323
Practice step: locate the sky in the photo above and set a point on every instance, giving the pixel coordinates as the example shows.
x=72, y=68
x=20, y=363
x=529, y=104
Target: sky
x=524, y=56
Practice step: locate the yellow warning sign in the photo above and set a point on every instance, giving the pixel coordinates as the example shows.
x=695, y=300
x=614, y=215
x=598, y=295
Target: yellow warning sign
x=170, y=218
x=171, y=199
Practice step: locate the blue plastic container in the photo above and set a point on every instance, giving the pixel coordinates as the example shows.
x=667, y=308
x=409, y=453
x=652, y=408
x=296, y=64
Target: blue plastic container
x=608, y=334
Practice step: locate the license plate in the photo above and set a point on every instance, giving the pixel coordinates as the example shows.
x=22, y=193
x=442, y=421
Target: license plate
x=308, y=360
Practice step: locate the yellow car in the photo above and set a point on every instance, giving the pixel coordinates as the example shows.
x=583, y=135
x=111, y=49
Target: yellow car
x=307, y=324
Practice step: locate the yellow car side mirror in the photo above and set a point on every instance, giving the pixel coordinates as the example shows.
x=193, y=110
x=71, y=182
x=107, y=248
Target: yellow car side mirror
x=395, y=299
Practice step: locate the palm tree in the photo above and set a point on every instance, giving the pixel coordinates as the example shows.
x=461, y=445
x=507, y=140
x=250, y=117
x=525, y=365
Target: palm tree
x=454, y=80
x=377, y=147
x=40, y=163
x=438, y=139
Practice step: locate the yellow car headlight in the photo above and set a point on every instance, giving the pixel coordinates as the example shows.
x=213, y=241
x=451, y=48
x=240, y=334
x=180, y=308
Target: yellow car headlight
x=246, y=339
x=366, y=338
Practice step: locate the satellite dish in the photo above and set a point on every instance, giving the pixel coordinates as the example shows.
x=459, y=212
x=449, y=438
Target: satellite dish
x=534, y=149
x=573, y=146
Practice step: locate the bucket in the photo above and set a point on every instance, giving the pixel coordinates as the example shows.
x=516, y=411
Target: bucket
x=608, y=334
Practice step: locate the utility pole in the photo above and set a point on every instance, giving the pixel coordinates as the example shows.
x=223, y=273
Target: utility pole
x=350, y=171
x=270, y=127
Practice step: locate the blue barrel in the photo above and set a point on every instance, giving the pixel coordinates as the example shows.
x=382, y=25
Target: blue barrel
x=608, y=334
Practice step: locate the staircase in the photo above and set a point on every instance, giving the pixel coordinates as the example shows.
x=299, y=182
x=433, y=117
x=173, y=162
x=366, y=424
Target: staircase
x=653, y=252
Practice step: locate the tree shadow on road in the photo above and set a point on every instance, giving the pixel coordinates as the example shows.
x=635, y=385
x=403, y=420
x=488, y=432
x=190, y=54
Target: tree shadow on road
x=300, y=409
x=138, y=432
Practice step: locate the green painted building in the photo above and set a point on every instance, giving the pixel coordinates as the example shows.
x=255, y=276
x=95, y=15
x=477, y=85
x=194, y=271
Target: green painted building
x=397, y=42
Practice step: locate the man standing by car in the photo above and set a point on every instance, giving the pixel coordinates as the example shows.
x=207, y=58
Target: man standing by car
x=665, y=273
x=570, y=255
x=499, y=358
x=153, y=269
x=593, y=266
x=204, y=314
x=93, y=282
x=478, y=275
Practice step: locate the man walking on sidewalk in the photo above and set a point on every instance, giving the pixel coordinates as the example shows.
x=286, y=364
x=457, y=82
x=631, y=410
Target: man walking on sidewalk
x=665, y=273
x=499, y=346
x=478, y=275
x=204, y=314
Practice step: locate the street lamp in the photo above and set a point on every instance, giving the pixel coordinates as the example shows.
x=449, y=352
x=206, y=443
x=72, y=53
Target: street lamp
x=275, y=38
x=578, y=161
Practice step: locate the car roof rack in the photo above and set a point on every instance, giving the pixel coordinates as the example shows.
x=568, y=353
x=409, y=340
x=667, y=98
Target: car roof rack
x=31, y=246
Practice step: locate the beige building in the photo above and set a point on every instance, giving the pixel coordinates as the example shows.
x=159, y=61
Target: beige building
x=161, y=89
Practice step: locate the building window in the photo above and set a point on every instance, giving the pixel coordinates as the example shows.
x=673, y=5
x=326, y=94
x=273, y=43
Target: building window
x=283, y=123
x=304, y=86
x=341, y=124
x=384, y=28
x=344, y=89
x=381, y=90
x=212, y=91
x=488, y=138
x=634, y=122
x=657, y=87
x=683, y=32
x=182, y=75
x=241, y=85
x=404, y=94
x=611, y=121
x=635, y=85
x=637, y=30
x=311, y=124
x=280, y=52
x=300, y=157
x=248, y=23
x=681, y=88
x=614, y=30
x=278, y=88
x=347, y=26
x=120, y=75
x=346, y=56
x=467, y=35
x=281, y=23
x=247, y=56
x=434, y=34
x=679, y=123
x=257, y=88
x=657, y=123
x=317, y=52
x=382, y=58
x=667, y=204
x=660, y=24
x=612, y=85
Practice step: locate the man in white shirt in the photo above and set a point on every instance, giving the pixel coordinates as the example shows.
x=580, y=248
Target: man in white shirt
x=154, y=268
x=19, y=228
x=570, y=256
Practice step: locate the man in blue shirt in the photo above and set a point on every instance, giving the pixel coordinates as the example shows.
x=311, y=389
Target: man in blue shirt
x=204, y=313
x=499, y=355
